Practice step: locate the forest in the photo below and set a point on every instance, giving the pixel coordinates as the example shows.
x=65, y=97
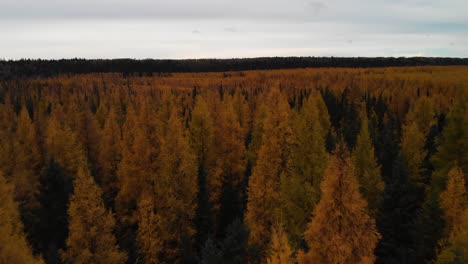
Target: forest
x=14, y=69
x=365, y=164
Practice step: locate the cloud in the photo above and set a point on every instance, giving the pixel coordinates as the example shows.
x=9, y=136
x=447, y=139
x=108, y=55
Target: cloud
x=316, y=7
x=230, y=29
x=156, y=28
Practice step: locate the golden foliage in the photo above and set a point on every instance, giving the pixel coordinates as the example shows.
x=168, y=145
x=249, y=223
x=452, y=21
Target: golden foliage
x=341, y=230
x=453, y=199
x=91, y=226
x=273, y=156
x=13, y=245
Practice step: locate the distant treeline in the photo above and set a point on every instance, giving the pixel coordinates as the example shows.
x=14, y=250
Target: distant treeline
x=45, y=68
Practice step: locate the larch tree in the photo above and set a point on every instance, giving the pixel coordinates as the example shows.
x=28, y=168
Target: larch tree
x=135, y=169
x=279, y=251
x=62, y=144
x=371, y=184
x=202, y=142
x=256, y=134
x=452, y=145
x=300, y=188
x=422, y=114
x=150, y=245
x=341, y=230
x=91, y=225
x=27, y=156
x=7, y=131
x=456, y=250
x=89, y=136
x=412, y=151
x=14, y=247
x=453, y=199
x=174, y=196
x=264, y=183
x=227, y=176
x=109, y=156
x=27, y=166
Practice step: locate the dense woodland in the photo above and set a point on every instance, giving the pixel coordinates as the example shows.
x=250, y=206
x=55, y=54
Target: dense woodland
x=14, y=69
x=329, y=165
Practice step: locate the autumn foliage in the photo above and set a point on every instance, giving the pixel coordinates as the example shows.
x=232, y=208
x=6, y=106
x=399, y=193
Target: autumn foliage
x=324, y=165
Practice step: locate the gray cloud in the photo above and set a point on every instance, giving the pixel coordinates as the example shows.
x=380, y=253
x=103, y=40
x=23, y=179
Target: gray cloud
x=155, y=28
x=316, y=7
x=230, y=29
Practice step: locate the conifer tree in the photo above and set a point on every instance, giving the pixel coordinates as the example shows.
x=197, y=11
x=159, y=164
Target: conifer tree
x=174, y=196
x=396, y=220
x=300, y=189
x=202, y=142
x=456, y=250
x=27, y=160
x=264, y=183
x=453, y=199
x=7, y=126
x=452, y=145
x=279, y=252
x=136, y=167
x=110, y=155
x=149, y=243
x=412, y=150
x=371, y=184
x=91, y=226
x=422, y=114
x=51, y=231
x=256, y=135
x=227, y=175
x=231, y=250
x=62, y=144
x=88, y=135
x=341, y=230
x=14, y=247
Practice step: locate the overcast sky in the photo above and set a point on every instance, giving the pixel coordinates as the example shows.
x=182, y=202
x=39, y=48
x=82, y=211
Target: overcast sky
x=231, y=28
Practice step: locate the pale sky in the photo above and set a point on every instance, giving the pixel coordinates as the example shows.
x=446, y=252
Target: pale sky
x=175, y=29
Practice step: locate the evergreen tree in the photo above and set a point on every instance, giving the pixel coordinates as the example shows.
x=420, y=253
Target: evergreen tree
x=231, y=250
x=91, y=226
x=211, y=254
x=52, y=231
x=234, y=245
x=341, y=230
x=395, y=223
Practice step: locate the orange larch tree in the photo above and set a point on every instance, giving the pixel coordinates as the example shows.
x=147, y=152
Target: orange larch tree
x=341, y=230
x=272, y=162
